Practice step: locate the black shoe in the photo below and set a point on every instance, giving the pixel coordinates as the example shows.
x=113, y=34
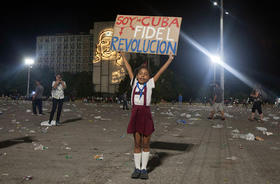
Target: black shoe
x=136, y=174
x=57, y=123
x=50, y=122
x=144, y=174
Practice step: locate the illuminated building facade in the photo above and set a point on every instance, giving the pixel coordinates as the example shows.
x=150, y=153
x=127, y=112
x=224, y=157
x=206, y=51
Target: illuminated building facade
x=108, y=68
x=65, y=52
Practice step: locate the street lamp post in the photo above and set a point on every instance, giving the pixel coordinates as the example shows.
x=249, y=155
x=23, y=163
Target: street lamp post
x=222, y=77
x=29, y=62
x=222, y=48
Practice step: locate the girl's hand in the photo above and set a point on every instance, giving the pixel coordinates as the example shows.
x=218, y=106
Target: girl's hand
x=171, y=57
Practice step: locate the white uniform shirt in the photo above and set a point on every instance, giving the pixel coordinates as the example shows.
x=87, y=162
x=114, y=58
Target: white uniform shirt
x=58, y=92
x=149, y=87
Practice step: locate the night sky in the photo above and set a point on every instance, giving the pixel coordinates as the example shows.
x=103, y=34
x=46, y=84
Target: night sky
x=251, y=31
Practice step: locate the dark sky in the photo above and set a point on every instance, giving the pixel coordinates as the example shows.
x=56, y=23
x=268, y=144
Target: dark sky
x=251, y=31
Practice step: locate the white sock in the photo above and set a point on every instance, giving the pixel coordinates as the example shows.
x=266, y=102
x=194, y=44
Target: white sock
x=145, y=159
x=137, y=160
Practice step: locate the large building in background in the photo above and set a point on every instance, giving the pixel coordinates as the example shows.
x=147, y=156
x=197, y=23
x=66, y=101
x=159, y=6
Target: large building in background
x=65, y=52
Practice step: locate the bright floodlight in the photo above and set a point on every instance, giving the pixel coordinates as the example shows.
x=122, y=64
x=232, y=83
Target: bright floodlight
x=215, y=3
x=29, y=61
x=227, y=13
x=216, y=59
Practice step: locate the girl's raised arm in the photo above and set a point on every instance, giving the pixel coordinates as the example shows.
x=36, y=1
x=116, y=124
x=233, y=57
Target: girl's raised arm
x=163, y=68
x=127, y=66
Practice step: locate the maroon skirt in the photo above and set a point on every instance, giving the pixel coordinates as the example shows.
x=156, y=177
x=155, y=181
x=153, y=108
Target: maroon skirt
x=141, y=120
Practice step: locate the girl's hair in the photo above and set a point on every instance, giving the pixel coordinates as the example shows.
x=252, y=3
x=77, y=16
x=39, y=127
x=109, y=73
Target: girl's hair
x=136, y=71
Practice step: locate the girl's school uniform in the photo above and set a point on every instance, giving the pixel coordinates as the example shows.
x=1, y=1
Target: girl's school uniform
x=141, y=118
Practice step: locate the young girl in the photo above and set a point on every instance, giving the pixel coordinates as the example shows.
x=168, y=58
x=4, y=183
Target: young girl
x=141, y=123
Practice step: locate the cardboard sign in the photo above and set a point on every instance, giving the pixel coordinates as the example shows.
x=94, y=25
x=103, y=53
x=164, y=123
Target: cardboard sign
x=146, y=34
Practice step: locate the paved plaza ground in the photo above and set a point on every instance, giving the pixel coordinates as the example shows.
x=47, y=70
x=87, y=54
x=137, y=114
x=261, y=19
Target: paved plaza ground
x=186, y=147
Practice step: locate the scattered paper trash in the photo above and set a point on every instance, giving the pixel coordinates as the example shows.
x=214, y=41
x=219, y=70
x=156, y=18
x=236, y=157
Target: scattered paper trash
x=228, y=115
x=39, y=147
x=276, y=117
x=28, y=110
x=169, y=113
x=66, y=110
x=46, y=123
x=218, y=126
x=262, y=129
x=268, y=133
x=248, y=137
x=181, y=121
x=194, y=119
x=99, y=157
x=105, y=119
x=27, y=178
x=97, y=117
x=232, y=158
x=235, y=131
x=32, y=132
x=3, y=154
x=265, y=118
x=183, y=114
x=259, y=138
x=188, y=115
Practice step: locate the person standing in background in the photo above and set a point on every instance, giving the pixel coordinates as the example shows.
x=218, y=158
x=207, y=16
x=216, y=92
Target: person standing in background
x=37, y=98
x=217, y=103
x=58, y=87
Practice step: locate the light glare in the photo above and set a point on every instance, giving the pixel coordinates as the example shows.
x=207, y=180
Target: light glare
x=29, y=61
x=216, y=59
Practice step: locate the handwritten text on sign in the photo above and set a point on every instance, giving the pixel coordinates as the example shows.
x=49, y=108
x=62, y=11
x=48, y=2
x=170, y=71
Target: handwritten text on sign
x=146, y=34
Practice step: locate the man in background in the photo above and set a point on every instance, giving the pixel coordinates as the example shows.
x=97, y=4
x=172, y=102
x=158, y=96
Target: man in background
x=217, y=103
x=37, y=98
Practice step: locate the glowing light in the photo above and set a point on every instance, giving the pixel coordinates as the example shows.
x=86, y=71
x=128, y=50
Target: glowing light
x=217, y=60
x=215, y=3
x=28, y=61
